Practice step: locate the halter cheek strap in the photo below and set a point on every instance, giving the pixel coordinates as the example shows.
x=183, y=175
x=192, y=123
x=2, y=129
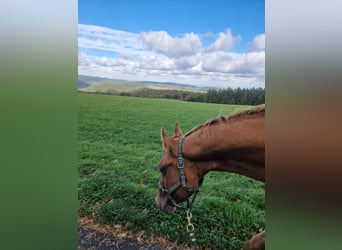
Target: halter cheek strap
x=181, y=182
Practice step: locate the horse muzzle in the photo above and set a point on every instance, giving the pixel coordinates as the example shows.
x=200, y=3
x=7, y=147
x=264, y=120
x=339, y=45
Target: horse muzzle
x=164, y=204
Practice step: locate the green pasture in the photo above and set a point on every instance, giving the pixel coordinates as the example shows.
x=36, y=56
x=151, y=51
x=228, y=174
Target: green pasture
x=119, y=149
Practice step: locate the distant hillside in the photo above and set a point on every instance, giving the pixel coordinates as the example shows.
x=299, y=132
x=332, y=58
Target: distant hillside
x=82, y=84
x=111, y=87
x=170, y=90
x=94, y=79
x=92, y=84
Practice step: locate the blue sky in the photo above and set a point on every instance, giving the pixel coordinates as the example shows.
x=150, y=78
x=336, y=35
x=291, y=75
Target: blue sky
x=217, y=43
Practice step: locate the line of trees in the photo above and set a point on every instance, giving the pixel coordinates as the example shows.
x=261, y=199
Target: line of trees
x=253, y=96
x=241, y=96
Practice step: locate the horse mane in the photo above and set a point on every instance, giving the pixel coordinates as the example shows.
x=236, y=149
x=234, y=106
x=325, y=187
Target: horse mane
x=257, y=110
x=247, y=112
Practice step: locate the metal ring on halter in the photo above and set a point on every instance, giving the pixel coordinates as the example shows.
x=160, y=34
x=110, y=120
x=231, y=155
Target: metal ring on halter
x=190, y=227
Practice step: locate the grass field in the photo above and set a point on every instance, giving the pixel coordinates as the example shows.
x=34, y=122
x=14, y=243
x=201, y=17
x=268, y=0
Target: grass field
x=119, y=149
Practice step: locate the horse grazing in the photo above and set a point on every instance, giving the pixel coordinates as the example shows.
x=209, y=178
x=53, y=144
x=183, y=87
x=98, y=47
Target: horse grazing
x=235, y=144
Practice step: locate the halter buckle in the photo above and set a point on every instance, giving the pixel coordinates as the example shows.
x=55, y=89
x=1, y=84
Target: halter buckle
x=180, y=162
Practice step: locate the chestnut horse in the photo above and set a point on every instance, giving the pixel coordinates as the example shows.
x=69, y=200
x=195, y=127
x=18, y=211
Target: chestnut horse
x=235, y=144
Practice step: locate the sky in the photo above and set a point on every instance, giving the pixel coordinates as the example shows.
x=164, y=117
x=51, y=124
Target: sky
x=211, y=43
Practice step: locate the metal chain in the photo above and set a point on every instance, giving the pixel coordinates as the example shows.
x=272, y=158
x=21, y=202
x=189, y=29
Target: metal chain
x=190, y=229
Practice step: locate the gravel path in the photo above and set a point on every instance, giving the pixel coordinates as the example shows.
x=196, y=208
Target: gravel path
x=95, y=236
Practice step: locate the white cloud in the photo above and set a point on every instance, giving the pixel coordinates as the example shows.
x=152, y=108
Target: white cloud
x=224, y=42
x=102, y=38
x=247, y=63
x=104, y=61
x=188, y=61
x=175, y=47
x=258, y=43
x=216, y=62
x=250, y=63
x=158, y=56
x=83, y=59
x=159, y=62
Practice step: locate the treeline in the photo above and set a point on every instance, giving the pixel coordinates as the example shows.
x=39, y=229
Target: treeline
x=253, y=96
x=161, y=93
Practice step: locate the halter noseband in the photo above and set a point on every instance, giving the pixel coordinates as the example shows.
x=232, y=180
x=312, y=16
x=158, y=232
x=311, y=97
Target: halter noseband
x=181, y=182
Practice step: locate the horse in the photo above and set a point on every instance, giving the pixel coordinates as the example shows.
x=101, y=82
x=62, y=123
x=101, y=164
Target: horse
x=234, y=144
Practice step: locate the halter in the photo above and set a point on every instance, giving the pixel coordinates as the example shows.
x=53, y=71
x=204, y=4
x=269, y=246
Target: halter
x=181, y=182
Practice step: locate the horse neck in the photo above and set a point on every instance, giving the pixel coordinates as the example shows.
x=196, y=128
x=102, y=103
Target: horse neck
x=236, y=146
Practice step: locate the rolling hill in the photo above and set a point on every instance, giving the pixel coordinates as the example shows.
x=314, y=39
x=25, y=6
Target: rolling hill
x=92, y=84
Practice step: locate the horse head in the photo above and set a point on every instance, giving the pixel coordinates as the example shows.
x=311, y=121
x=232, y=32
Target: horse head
x=178, y=175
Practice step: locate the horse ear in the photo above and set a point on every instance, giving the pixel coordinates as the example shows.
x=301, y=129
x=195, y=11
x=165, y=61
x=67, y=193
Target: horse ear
x=178, y=130
x=167, y=140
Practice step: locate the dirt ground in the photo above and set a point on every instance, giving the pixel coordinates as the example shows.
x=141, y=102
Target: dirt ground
x=95, y=236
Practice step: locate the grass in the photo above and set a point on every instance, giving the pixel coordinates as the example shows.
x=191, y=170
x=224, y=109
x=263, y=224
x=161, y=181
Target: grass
x=119, y=148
